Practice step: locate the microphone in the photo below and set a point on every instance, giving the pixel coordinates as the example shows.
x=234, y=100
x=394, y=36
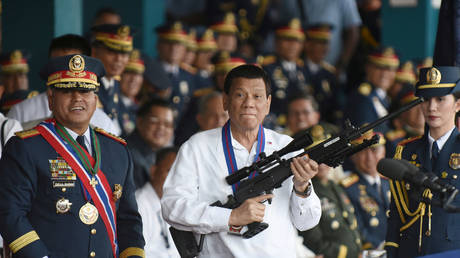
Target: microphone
x=403, y=170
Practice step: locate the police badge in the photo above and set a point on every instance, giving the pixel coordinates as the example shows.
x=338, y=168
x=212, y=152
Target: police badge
x=454, y=161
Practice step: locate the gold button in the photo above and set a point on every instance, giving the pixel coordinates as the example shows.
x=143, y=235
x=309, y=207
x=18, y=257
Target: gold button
x=64, y=189
x=345, y=214
x=93, y=231
x=444, y=174
x=92, y=254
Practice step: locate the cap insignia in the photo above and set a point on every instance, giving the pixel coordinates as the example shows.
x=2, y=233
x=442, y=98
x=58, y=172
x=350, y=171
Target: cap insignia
x=135, y=55
x=123, y=31
x=388, y=52
x=16, y=56
x=229, y=18
x=294, y=24
x=77, y=64
x=177, y=26
x=433, y=76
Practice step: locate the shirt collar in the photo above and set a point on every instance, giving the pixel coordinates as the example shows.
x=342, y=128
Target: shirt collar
x=313, y=67
x=126, y=101
x=371, y=180
x=381, y=93
x=441, y=141
x=108, y=83
x=87, y=136
x=170, y=68
x=288, y=66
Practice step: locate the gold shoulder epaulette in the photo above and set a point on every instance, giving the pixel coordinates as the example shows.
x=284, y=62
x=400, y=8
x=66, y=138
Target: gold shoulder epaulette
x=327, y=66
x=267, y=60
x=408, y=140
x=188, y=68
x=112, y=136
x=203, y=92
x=365, y=89
x=395, y=134
x=27, y=133
x=350, y=180
x=300, y=62
x=32, y=94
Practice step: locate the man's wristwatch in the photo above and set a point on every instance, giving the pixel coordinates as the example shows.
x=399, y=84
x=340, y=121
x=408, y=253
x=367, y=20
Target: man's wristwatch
x=305, y=193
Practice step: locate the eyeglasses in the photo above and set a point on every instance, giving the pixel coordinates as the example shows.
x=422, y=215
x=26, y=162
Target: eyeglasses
x=157, y=121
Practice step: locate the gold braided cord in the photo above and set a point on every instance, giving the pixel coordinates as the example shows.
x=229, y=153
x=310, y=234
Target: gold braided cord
x=404, y=203
x=396, y=200
x=412, y=221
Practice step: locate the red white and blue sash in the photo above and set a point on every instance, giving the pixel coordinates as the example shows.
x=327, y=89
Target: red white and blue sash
x=100, y=194
x=230, y=155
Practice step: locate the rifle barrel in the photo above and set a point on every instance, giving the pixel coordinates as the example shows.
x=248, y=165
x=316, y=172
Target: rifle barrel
x=391, y=115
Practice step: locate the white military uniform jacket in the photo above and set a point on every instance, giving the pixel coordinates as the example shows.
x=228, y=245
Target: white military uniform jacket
x=197, y=179
x=32, y=111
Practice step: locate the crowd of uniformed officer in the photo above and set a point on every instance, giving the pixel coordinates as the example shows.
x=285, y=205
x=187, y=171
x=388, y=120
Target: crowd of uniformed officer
x=192, y=63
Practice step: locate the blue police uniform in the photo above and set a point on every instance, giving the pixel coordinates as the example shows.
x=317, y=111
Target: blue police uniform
x=110, y=98
x=445, y=233
x=370, y=208
x=183, y=85
x=30, y=210
x=326, y=91
x=54, y=212
x=417, y=225
x=366, y=106
x=127, y=117
x=285, y=84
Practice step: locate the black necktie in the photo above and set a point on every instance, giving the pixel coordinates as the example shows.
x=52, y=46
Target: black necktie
x=81, y=141
x=434, y=154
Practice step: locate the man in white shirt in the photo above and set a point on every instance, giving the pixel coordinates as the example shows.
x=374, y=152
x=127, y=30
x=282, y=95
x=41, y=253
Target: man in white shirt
x=197, y=179
x=159, y=243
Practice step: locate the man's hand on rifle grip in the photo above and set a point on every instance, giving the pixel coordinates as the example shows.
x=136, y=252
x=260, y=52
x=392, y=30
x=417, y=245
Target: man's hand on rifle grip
x=252, y=210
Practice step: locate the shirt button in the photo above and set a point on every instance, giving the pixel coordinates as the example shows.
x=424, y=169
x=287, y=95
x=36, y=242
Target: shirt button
x=92, y=254
x=93, y=231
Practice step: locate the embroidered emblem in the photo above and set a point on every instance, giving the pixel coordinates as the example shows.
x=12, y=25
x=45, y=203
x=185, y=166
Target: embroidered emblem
x=454, y=161
x=433, y=76
x=77, y=63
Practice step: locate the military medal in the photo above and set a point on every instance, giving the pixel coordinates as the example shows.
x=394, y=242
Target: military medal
x=88, y=214
x=63, y=205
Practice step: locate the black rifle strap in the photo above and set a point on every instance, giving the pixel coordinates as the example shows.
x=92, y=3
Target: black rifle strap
x=2, y=133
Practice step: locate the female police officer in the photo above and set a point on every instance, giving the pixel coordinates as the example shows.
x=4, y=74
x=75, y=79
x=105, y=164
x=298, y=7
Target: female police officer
x=416, y=226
